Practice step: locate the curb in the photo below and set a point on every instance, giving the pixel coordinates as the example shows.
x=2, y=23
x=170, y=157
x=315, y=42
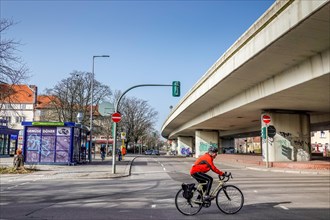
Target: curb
x=125, y=174
x=130, y=166
x=288, y=171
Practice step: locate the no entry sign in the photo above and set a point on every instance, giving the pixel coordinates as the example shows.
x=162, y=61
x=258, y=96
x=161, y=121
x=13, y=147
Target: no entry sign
x=116, y=117
x=266, y=119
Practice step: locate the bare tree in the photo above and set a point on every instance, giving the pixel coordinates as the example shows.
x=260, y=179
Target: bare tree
x=12, y=69
x=138, y=118
x=73, y=95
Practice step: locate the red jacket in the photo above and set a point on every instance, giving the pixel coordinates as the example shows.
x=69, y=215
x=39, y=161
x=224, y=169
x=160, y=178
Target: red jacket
x=204, y=164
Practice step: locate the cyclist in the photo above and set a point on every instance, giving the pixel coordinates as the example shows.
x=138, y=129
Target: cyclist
x=201, y=166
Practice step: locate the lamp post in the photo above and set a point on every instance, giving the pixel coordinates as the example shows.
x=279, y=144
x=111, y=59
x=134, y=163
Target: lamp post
x=80, y=116
x=91, y=113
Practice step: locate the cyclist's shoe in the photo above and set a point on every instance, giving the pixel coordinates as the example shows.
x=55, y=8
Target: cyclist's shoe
x=208, y=198
x=206, y=204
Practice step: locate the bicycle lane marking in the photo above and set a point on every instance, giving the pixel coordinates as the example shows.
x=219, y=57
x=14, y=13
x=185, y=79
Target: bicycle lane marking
x=161, y=164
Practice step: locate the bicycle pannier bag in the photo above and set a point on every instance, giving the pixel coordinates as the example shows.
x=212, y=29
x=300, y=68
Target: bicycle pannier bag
x=188, y=190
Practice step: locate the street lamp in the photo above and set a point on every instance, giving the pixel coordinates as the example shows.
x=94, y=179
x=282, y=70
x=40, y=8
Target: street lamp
x=91, y=113
x=80, y=116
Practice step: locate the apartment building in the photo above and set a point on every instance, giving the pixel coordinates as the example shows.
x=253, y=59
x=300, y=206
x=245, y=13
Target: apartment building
x=18, y=104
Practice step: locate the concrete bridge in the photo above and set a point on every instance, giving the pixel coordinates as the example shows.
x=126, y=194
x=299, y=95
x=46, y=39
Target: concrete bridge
x=280, y=68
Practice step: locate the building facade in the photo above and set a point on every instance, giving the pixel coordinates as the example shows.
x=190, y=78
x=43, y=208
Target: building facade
x=19, y=103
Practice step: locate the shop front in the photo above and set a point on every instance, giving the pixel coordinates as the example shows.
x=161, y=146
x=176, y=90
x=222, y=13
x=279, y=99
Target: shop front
x=54, y=143
x=8, y=139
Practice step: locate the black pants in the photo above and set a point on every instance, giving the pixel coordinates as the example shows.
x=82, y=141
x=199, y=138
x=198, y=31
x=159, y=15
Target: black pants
x=204, y=178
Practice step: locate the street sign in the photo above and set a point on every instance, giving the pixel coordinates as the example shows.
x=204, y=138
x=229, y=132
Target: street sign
x=123, y=135
x=106, y=108
x=116, y=117
x=266, y=119
x=263, y=132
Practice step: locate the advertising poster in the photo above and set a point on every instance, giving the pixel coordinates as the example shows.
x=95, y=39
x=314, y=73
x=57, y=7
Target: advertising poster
x=63, y=144
x=48, y=144
x=33, y=144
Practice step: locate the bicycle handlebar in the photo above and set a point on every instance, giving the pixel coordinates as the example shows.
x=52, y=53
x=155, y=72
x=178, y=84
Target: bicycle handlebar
x=226, y=176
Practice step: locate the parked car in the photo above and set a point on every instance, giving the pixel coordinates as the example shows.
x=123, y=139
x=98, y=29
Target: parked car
x=155, y=152
x=229, y=150
x=173, y=152
x=148, y=152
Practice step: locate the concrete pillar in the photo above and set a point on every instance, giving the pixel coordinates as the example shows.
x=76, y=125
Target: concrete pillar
x=174, y=145
x=185, y=146
x=288, y=137
x=205, y=139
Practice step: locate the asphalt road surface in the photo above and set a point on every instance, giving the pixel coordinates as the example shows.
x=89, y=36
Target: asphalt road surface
x=148, y=193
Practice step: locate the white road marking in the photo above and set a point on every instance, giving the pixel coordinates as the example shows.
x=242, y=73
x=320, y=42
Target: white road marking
x=24, y=183
x=256, y=191
x=283, y=207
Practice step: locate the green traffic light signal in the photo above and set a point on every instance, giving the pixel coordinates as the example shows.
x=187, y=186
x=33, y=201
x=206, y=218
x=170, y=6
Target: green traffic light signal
x=176, y=88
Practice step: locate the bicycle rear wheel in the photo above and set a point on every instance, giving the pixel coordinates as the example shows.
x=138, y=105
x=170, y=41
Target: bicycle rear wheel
x=191, y=206
x=230, y=199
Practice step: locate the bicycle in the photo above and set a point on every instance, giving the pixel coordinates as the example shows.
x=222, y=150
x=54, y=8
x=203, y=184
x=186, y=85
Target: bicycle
x=229, y=198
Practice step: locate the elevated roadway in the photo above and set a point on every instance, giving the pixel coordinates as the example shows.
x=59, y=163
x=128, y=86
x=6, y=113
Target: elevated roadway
x=281, y=63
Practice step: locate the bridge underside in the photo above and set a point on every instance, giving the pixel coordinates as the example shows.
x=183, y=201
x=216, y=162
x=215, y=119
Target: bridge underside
x=287, y=72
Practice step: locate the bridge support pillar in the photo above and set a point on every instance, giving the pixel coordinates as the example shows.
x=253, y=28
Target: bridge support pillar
x=204, y=139
x=185, y=146
x=288, y=137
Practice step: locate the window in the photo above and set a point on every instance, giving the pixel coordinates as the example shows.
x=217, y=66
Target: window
x=19, y=119
x=322, y=134
x=7, y=118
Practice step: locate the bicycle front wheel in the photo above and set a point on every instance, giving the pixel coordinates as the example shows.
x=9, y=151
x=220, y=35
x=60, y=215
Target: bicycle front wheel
x=189, y=206
x=230, y=199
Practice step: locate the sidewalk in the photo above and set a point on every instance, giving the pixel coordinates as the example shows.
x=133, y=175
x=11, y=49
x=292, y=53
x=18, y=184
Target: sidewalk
x=255, y=162
x=97, y=169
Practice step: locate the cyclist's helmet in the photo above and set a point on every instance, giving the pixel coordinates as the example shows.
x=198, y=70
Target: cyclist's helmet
x=213, y=149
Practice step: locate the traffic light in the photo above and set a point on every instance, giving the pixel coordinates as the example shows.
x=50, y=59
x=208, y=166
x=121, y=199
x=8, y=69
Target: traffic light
x=176, y=88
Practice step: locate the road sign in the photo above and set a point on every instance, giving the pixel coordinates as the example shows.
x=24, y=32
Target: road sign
x=263, y=132
x=266, y=119
x=116, y=117
x=106, y=108
x=123, y=135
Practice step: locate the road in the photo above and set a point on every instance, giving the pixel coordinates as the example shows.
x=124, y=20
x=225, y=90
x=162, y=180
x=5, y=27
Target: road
x=148, y=193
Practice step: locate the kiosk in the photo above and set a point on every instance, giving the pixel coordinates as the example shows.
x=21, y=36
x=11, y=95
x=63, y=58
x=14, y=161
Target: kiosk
x=54, y=143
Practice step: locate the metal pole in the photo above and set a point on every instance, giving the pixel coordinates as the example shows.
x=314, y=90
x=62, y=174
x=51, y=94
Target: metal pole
x=267, y=153
x=91, y=118
x=115, y=124
x=114, y=146
x=91, y=114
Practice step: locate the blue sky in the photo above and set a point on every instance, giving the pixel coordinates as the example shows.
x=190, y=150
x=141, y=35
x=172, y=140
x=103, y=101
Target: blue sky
x=149, y=42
